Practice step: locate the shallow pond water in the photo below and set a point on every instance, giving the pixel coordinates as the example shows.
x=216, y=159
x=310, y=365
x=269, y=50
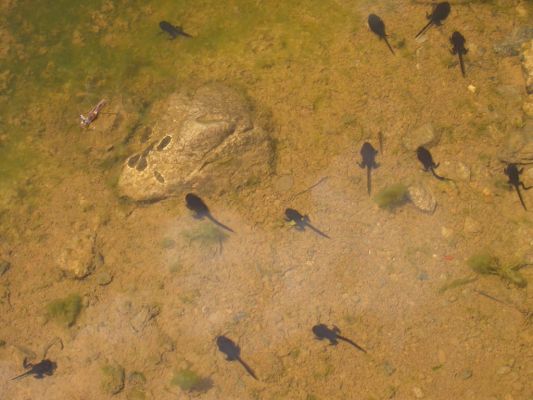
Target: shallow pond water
x=160, y=286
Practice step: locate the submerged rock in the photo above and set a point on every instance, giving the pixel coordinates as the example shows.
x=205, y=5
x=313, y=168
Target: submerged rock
x=112, y=378
x=422, y=197
x=4, y=266
x=511, y=45
x=527, y=64
x=80, y=257
x=207, y=139
x=421, y=136
x=454, y=170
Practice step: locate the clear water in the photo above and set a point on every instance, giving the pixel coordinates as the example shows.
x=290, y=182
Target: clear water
x=397, y=283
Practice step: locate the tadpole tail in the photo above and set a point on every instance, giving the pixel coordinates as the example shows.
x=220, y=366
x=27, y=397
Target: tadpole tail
x=220, y=224
x=461, y=62
x=368, y=180
x=441, y=178
x=351, y=342
x=21, y=376
x=520, y=197
x=318, y=231
x=425, y=28
x=247, y=368
x=388, y=44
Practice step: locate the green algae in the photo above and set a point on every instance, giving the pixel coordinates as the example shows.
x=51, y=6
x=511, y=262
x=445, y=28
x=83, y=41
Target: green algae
x=486, y=264
x=188, y=380
x=392, y=196
x=65, y=311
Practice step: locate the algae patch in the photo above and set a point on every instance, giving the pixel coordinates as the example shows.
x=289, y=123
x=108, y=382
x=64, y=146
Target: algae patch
x=65, y=311
x=188, y=380
x=486, y=264
x=392, y=196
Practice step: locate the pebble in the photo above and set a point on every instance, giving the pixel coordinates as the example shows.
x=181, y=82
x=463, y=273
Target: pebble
x=284, y=183
x=521, y=10
x=441, y=356
x=421, y=136
x=422, y=197
x=471, y=225
x=504, y=370
x=455, y=170
x=466, y=374
x=423, y=276
x=388, y=368
x=419, y=394
x=527, y=64
x=527, y=107
x=446, y=232
x=104, y=278
x=4, y=267
x=472, y=88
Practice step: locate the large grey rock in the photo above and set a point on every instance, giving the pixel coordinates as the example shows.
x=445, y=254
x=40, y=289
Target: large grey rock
x=421, y=136
x=527, y=64
x=207, y=140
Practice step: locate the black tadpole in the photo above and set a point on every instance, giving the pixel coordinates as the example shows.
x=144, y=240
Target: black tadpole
x=377, y=26
x=513, y=173
x=322, y=332
x=39, y=370
x=200, y=209
x=301, y=221
x=440, y=13
x=233, y=353
x=368, y=155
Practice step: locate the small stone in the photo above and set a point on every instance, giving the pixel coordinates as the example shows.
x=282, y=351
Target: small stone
x=388, y=368
x=104, y=278
x=422, y=197
x=466, y=374
x=422, y=136
x=527, y=107
x=441, y=356
x=446, y=233
x=455, y=170
x=79, y=257
x=504, y=370
x=4, y=267
x=422, y=276
x=527, y=64
x=472, y=88
x=284, y=183
x=141, y=320
x=486, y=192
x=113, y=378
x=521, y=10
x=471, y=225
x=419, y=394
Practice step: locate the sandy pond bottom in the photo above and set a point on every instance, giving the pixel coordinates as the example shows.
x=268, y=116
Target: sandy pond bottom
x=396, y=282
